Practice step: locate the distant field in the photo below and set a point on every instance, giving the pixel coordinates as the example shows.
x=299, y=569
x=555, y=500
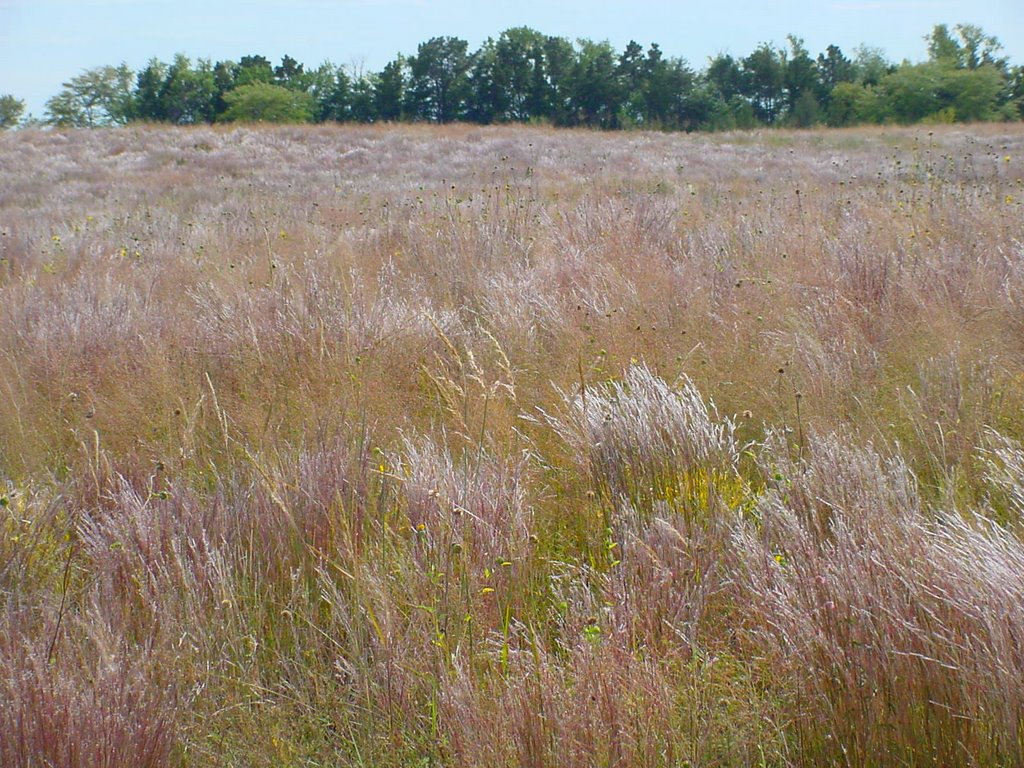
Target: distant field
x=474, y=446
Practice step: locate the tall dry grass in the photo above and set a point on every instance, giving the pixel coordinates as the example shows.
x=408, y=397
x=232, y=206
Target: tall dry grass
x=472, y=446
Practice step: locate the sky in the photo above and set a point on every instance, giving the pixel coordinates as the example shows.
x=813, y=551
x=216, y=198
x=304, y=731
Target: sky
x=46, y=42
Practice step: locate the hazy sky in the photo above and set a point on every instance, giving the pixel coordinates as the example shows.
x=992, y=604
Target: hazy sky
x=45, y=42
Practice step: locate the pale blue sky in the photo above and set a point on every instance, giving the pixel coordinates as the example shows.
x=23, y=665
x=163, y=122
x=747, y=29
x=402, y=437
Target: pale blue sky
x=45, y=42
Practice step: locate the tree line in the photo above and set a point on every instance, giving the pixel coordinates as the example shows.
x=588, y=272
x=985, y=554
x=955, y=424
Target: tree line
x=526, y=76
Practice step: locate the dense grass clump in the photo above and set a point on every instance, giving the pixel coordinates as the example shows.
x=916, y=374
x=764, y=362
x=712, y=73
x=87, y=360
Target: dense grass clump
x=511, y=447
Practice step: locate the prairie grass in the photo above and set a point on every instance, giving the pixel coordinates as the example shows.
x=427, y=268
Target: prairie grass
x=472, y=446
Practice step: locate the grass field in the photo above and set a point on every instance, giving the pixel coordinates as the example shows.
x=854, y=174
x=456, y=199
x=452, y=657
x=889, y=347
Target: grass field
x=403, y=446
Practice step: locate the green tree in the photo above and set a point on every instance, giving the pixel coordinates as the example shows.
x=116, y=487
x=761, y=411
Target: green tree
x=852, y=104
x=554, y=89
x=519, y=73
x=97, y=97
x=632, y=77
x=596, y=91
x=320, y=83
x=972, y=94
x=802, y=84
x=364, y=104
x=966, y=47
x=658, y=94
x=188, y=95
x=870, y=65
x=806, y=112
x=488, y=97
x=943, y=48
x=668, y=92
x=724, y=75
x=290, y=74
x=720, y=96
x=910, y=92
x=1013, y=94
x=332, y=93
x=964, y=79
x=980, y=50
x=833, y=68
x=224, y=75
x=439, y=85
x=701, y=107
x=268, y=103
x=254, y=69
x=389, y=90
x=148, y=84
x=765, y=81
x=11, y=110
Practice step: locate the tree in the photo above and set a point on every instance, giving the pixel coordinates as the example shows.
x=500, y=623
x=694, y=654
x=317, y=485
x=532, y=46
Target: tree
x=720, y=97
x=254, y=69
x=658, y=93
x=1013, y=94
x=188, y=95
x=519, y=73
x=554, y=88
x=968, y=48
x=764, y=73
x=596, y=91
x=332, y=93
x=224, y=75
x=439, y=85
x=910, y=92
x=806, y=112
x=852, y=104
x=290, y=74
x=389, y=93
x=972, y=94
x=11, y=110
x=148, y=84
x=488, y=100
x=943, y=48
x=980, y=50
x=963, y=79
x=802, y=84
x=97, y=97
x=632, y=77
x=725, y=76
x=833, y=68
x=268, y=103
x=364, y=105
x=668, y=92
x=869, y=65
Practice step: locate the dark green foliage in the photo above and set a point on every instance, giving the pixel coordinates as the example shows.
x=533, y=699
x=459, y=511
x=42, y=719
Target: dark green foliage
x=764, y=81
x=389, y=94
x=334, y=98
x=439, y=85
x=290, y=74
x=519, y=73
x=833, y=68
x=724, y=76
x=254, y=69
x=596, y=91
x=363, y=107
x=188, y=95
x=525, y=76
x=802, y=84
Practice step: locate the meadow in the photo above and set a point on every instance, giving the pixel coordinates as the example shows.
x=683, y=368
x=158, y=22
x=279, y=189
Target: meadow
x=464, y=446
